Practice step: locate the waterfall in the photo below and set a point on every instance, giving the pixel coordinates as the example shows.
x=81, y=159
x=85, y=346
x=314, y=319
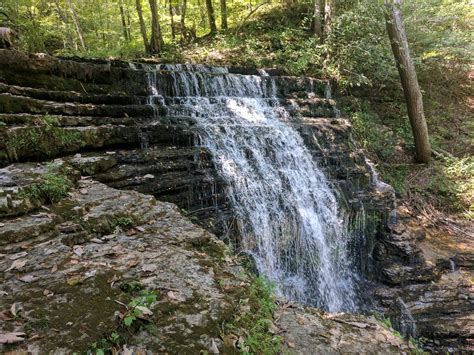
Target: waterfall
x=288, y=218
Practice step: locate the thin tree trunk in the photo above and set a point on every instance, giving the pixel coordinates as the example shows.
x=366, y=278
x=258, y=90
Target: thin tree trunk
x=142, y=26
x=76, y=23
x=129, y=24
x=223, y=15
x=124, y=23
x=63, y=17
x=317, y=27
x=212, y=18
x=156, y=42
x=173, y=34
x=183, y=19
x=411, y=89
x=328, y=13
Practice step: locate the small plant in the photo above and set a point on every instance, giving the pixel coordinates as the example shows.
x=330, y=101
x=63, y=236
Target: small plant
x=258, y=319
x=44, y=137
x=54, y=186
x=123, y=222
x=139, y=307
x=131, y=286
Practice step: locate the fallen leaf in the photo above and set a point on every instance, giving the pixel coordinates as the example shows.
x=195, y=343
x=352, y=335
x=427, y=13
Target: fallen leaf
x=171, y=295
x=291, y=344
x=27, y=278
x=6, y=315
x=74, y=280
x=272, y=328
x=301, y=320
x=149, y=267
x=151, y=221
x=17, y=264
x=18, y=255
x=145, y=311
x=54, y=268
x=113, y=280
x=78, y=250
x=90, y=274
x=230, y=340
x=213, y=347
x=16, y=308
x=131, y=231
x=11, y=338
x=132, y=263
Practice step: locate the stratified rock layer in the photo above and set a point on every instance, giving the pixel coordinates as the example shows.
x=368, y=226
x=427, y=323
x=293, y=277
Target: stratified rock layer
x=93, y=114
x=66, y=285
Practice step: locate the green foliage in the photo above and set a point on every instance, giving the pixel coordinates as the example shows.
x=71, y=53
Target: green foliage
x=44, y=136
x=138, y=306
x=54, y=185
x=124, y=222
x=257, y=320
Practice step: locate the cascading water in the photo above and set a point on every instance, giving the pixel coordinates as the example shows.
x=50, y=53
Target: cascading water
x=288, y=217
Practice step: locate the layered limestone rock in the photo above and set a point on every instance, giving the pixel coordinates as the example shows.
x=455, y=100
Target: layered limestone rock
x=94, y=116
x=69, y=272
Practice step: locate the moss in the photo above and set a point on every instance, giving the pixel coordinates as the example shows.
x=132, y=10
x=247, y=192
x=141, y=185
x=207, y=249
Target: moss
x=43, y=138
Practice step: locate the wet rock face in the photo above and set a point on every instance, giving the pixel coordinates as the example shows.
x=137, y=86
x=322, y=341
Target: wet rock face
x=93, y=115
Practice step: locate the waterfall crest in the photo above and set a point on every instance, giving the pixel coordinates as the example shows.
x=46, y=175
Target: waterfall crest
x=288, y=217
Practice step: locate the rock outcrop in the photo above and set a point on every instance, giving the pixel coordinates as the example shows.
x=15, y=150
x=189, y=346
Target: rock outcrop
x=94, y=116
x=71, y=270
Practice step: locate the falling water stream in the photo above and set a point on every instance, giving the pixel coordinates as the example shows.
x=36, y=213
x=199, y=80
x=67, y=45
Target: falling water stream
x=288, y=218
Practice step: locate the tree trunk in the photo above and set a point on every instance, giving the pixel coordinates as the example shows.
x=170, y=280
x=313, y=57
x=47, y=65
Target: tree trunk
x=317, y=27
x=142, y=26
x=156, y=42
x=183, y=20
x=124, y=23
x=173, y=33
x=223, y=15
x=63, y=16
x=328, y=13
x=129, y=24
x=212, y=18
x=76, y=23
x=411, y=89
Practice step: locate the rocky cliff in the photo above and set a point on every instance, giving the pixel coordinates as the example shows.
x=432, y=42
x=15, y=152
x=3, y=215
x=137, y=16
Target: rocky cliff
x=81, y=153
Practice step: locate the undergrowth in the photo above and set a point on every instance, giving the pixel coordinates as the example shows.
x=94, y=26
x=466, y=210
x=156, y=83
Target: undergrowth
x=53, y=186
x=44, y=136
x=257, y=319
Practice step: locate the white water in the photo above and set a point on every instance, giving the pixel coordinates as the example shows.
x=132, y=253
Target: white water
x=287, y=215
